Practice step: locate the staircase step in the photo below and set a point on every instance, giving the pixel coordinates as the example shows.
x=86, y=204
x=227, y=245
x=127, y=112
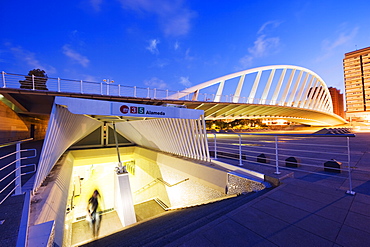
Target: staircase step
x=174, y=224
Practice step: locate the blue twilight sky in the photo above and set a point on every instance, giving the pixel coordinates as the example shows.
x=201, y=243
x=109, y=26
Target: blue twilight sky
x=175, y=44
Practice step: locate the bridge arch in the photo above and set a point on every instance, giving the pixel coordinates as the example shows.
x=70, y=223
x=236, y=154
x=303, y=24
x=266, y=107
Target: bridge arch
x=280, y=85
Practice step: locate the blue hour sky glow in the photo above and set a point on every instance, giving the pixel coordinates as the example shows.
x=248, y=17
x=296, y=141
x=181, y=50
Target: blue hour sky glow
x=176, y=44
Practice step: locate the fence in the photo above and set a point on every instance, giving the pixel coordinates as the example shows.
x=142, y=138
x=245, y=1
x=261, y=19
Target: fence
x=11, y=168
x=10, y=80
x=327, y=155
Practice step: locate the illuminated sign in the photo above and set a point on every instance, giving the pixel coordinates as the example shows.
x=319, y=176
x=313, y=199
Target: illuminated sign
x=139, y=110
x=124, y=109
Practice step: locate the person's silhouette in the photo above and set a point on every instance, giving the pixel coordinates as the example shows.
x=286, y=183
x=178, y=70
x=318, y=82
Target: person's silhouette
x=92, y=209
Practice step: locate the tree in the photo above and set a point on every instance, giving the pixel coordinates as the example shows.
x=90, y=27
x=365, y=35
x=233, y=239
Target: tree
x=38, y=73
x=36, y=79
x=221, y=124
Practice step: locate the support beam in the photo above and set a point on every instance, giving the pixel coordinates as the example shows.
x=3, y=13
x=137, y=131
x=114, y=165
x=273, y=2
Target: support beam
x=238, y=89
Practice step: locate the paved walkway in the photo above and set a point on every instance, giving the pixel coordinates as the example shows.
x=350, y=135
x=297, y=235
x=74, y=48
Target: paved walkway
x=297, y=213
x=306, y=210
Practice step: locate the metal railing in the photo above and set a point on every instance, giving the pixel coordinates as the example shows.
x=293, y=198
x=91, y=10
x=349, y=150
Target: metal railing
x=15, y=81
x=11, y=169
x=327, y=155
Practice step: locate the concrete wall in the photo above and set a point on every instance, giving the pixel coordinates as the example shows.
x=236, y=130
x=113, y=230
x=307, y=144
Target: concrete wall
x=14, y=127
x=185, y=182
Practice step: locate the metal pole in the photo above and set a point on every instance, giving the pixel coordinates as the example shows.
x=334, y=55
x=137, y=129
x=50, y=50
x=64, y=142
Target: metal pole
x=18, y=182
x=240, y=151
x=276, y=156
x=81, y=87
x=3, y=74
x=58, y=84
x=350, y=191
x=135, y=91
x=33, y=82
x=215, y=147
x=120, y=168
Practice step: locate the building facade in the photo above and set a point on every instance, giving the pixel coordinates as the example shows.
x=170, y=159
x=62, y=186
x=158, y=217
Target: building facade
x=356, y=65
x=338, y=101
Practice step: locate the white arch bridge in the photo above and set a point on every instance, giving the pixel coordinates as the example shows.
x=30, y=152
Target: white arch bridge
x=278, y=91
x=290, y=92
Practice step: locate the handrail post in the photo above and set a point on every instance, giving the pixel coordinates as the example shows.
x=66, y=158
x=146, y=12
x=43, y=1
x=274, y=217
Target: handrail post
x=240, y=150
x=276, y=156
x=135, y=91
x=215, y=145
x=350, y=191
x=3, y=76
x=119, y=89
x=58, y=84
x=167, y=93
x=81, y=87
x=155, y=93
x=148, y=96
x=18, y=182
x=33, y=82
x=101, y=88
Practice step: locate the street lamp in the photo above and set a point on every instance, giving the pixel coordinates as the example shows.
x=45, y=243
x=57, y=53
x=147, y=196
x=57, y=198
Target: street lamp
x=108, y=81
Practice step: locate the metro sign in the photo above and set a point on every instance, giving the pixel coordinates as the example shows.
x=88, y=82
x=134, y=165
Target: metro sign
x=124, y=109
x=132, y=109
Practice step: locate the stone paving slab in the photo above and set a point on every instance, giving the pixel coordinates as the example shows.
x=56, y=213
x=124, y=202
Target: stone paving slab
x=10, y=212
x=258, y=221
x=352, y=237
x=295, y=236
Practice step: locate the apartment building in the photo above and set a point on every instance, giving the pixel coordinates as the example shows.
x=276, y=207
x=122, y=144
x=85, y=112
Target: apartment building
x=338, y=101
x=356, y=65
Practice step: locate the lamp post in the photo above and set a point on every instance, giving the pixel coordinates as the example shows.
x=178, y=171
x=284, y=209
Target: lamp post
x=108, y=81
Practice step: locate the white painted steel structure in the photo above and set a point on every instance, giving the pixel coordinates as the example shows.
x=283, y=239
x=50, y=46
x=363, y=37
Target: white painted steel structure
x=184, y=137
x=281, y=85
x=64, y=129
x=181, y=132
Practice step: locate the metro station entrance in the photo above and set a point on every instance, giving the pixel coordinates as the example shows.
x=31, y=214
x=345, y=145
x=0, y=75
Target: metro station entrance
x=158, y=182
x=165, y=129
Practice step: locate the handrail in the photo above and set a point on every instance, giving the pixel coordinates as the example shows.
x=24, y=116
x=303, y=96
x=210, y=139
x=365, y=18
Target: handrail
x=277, y=151
x=6, y=144
x=161, y=181
x=22, y=158
x=291, y=135
x=171, y=185
x=25, y=173
x=18, y=167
